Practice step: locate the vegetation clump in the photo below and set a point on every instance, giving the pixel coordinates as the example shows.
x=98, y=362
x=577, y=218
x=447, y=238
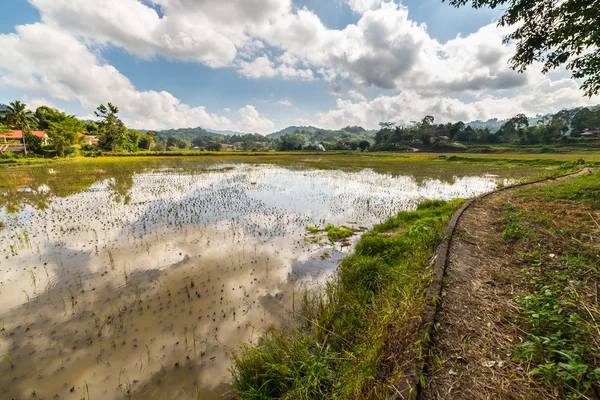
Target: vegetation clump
x=338, y=233
x=358, y=338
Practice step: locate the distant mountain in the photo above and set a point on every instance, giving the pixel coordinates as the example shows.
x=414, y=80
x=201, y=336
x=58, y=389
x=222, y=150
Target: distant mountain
x=225, y=133
x=185, y=133
x=290, y=129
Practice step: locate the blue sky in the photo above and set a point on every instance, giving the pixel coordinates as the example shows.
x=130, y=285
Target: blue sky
x=327, y=63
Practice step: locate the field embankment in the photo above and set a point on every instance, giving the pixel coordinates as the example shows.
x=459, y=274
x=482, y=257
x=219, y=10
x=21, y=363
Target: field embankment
x=520, y=311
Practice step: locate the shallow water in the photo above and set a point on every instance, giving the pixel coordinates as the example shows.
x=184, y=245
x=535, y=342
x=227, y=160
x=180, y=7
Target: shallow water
x=139, y=279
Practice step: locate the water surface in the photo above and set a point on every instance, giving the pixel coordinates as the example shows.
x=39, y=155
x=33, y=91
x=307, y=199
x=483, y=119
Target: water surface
x=140, y=278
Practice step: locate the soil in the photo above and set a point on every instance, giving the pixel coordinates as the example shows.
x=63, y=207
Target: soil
x=474, y=327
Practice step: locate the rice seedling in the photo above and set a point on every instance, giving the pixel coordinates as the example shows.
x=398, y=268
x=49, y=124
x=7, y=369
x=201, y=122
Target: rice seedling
x=86, y=391
x=125, y=385
x=7, y=357
x=73, y=299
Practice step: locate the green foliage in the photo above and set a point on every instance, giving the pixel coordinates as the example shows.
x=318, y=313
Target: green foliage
x=114, y=136
x=63, y=134
x=514, y=231
x=584, y=190
x=559, y=328
x=359, y=334
x=312, y=228
x=337, y=233
x=552, y=33
x=286, y=365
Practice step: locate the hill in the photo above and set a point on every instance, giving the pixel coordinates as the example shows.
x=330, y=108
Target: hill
x=291, y=129
x=188, y=134
x=225, y=132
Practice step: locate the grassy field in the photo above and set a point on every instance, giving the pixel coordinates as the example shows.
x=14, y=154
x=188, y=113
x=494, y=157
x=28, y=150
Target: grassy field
x=350, y=156
x=555, y=230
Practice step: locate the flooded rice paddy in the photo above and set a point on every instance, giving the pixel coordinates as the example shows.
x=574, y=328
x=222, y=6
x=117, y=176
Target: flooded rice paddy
x=137, y=279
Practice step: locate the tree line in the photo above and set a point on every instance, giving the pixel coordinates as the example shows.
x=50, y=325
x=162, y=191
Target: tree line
x=66, y=133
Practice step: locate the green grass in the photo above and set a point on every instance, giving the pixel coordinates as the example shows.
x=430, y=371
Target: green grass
x=313, y=229
x=338, y=233
x=584, y=191
x=555, y=229
x=358, y=337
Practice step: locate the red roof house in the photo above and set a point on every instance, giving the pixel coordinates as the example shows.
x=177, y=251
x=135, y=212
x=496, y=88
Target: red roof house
x=18, y=135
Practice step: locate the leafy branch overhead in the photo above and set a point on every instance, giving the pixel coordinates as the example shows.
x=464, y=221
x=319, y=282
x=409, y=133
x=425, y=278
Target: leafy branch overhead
x=554, y=33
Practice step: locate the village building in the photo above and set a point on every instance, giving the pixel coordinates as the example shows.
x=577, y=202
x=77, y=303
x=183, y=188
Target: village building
x=90, y=140
x=18, y=136
x=591, y=133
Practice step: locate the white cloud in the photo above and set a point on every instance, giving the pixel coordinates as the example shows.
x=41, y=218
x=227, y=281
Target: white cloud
x=65, y=69
x=267, y=39
x=361, y=6
x=36, y=102
x=286, y=103
x=545, y=97
x=357, y=95
x=252, y=121
x=262, y=67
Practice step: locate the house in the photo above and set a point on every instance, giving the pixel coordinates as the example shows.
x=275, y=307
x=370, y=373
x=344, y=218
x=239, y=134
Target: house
x=18, y=135
x=440, y=138
x=591, y=133
x=225, y=146
x=91, y=140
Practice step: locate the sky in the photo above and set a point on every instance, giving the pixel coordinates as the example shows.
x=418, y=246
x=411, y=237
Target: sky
x=262, y=65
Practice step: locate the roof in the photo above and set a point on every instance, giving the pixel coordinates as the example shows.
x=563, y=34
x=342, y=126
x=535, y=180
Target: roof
x=19, y=135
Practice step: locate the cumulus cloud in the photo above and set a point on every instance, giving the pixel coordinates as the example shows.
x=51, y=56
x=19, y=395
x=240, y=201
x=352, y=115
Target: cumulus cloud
x=384, y=48
x=262, y=67
x=336, y=89
x=65, y=69
x=261, y=39
x=545, y=97
x=361, y=6
x=252, y=121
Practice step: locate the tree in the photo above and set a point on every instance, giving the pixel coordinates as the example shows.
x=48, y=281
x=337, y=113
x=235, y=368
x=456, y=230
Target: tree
x=63, y=134
x=147, y=141
x=113, y=133
x=18, y=116
x=552, y=33
x=46, y=115
x=579, y=121
x=562, y=120
x=292, y=141
x=364, y=145
x=426, y=128
x=384, y=134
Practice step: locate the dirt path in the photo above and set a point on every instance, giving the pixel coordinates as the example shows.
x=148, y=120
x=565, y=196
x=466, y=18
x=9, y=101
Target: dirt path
x=474, y=328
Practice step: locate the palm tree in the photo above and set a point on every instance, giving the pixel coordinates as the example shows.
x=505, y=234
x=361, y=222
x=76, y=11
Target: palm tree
x=18, y=116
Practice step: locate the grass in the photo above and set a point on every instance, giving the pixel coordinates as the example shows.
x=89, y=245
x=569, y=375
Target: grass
x=359, y=337
x=338, y=233
x=556, y=231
